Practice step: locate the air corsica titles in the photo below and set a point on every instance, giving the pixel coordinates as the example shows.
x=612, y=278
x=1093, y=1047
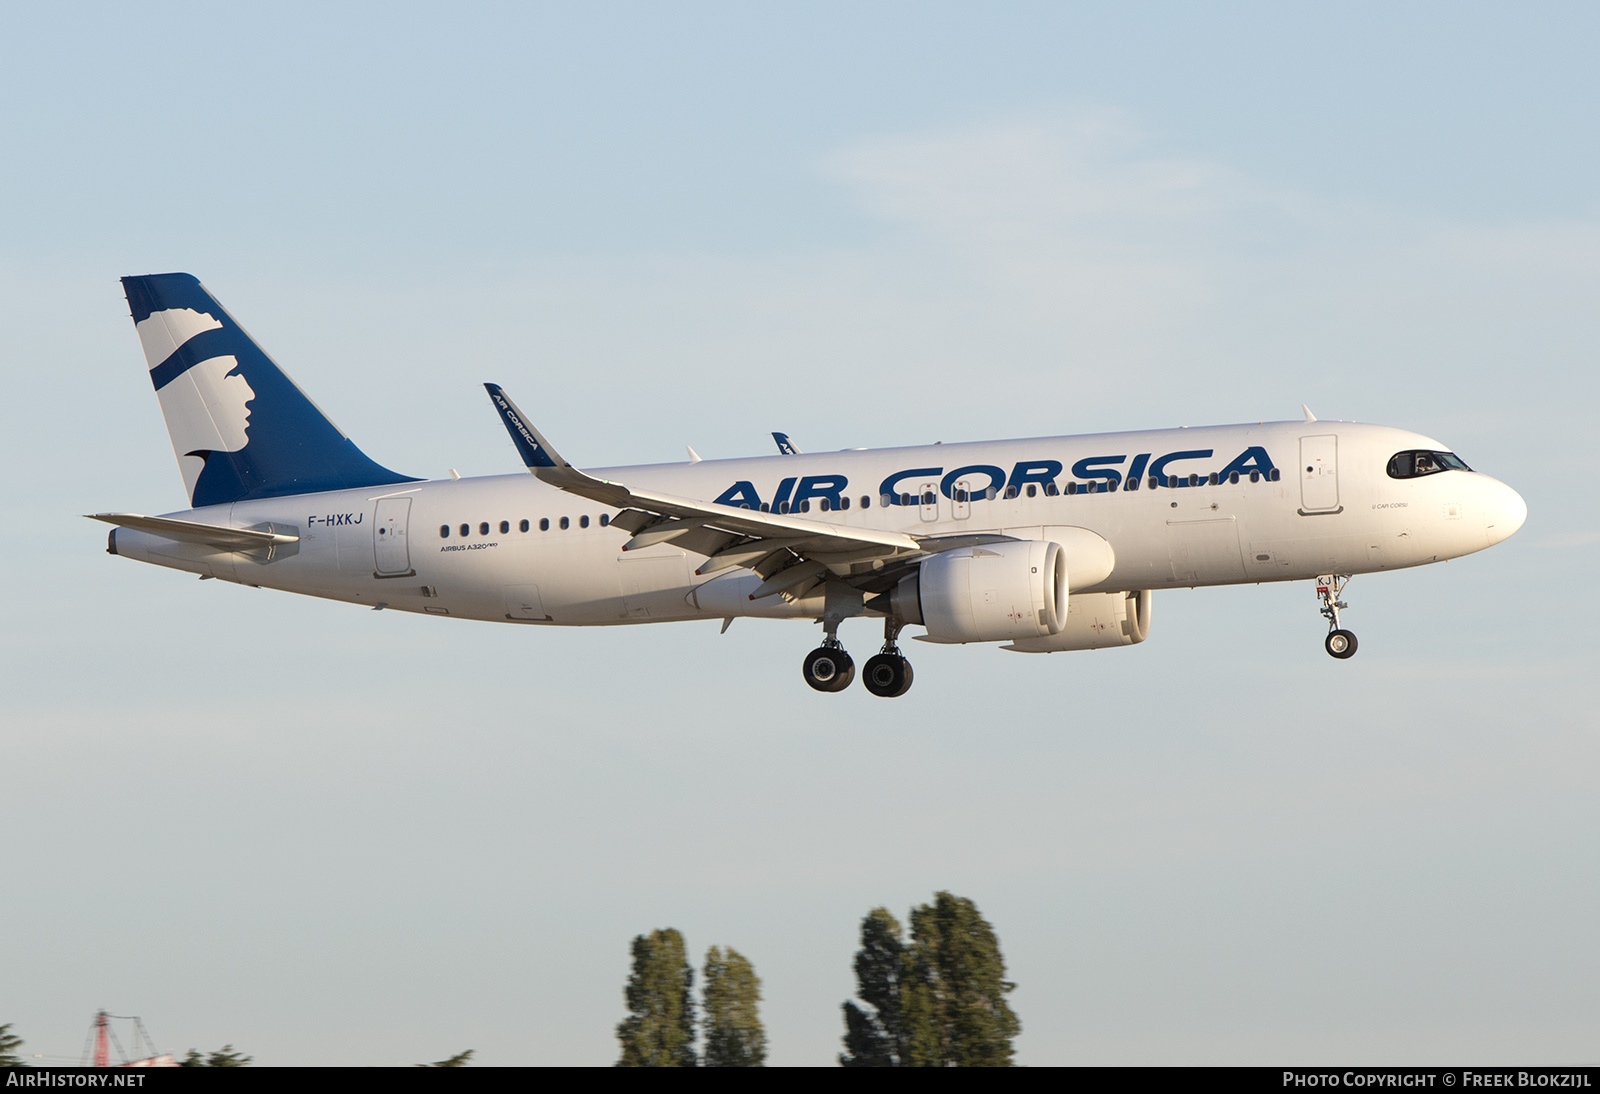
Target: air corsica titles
x=1099, y=474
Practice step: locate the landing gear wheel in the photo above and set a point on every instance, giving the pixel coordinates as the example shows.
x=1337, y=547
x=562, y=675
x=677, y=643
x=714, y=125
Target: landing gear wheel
x=887, y=675
x=1341, y=644
x=828, y=668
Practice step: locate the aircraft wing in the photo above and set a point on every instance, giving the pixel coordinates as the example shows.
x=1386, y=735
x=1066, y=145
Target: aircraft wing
x=791, y=553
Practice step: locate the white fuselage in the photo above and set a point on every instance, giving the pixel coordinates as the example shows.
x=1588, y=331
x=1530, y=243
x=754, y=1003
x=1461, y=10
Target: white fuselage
x=1333, y=509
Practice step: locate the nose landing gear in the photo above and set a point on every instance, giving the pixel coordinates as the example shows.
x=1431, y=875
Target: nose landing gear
x=1340, y=643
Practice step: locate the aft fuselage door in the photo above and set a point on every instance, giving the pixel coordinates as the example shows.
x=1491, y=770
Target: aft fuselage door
x=1319, y=474
x=389, y=537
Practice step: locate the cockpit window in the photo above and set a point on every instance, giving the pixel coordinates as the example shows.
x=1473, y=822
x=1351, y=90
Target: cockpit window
x=1410, y=465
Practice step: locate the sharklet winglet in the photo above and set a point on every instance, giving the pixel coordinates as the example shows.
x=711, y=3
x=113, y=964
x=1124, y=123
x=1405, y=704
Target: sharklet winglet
x=541, y=458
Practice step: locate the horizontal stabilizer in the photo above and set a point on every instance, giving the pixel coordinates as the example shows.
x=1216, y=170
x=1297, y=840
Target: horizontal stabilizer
x=188, y=531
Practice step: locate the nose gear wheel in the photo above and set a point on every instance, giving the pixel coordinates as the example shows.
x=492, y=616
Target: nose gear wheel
x=1339, y=643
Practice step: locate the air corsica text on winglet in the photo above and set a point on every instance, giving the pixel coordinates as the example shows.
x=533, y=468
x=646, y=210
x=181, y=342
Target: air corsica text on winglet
x=1100, y=474
x=511, y=416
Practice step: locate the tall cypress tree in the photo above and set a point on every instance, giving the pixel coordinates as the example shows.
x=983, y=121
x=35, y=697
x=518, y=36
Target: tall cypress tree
x=659, y=1029
x=938, y=1002
x=730, y=1018
x=874, y=1035
x=955, y=989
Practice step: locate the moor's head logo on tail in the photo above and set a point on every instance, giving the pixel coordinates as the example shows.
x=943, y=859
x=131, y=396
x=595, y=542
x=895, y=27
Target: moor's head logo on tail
x=206, y=403
x=239, y=426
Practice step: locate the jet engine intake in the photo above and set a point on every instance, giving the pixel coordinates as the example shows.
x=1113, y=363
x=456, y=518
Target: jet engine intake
x=1014, y=590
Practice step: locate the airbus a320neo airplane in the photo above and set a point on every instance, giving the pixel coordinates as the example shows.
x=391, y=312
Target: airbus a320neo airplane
x=1049, y=544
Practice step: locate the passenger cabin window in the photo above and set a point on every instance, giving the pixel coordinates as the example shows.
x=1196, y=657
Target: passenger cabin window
x=544, y=524
x=523, y=527
x=1411, y=465
x=583, y=521
x=483, y=529
x=605, y=519
x=466, y=529
x=444, y=531
x=505, y=526
x=565, y=524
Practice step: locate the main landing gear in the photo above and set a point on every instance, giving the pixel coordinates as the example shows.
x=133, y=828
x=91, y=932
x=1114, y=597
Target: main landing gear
x=828, y=667
x=887, y=673
x=1340, y=643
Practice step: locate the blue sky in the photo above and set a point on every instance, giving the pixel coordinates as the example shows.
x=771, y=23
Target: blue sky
x=333, y=836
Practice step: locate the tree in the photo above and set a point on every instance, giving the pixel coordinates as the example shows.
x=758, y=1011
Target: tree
x=955, y=989
x=460, y=1059
x=874, y=1037
x=9, y=1043
x=939, y=1002
x=659, y=1029
x=734, y=1037
x=223, y=1057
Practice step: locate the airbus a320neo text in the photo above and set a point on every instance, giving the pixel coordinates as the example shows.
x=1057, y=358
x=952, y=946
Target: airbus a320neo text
x=1047, y=544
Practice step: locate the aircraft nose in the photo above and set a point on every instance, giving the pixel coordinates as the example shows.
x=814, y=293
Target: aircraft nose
x=1503, y=511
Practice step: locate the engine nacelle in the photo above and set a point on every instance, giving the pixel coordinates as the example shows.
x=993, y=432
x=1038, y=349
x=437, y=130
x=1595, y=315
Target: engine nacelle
x=1016, y=589
x=1096, y=621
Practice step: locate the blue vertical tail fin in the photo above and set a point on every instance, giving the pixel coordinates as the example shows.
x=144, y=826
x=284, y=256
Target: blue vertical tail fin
x=239, y=426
